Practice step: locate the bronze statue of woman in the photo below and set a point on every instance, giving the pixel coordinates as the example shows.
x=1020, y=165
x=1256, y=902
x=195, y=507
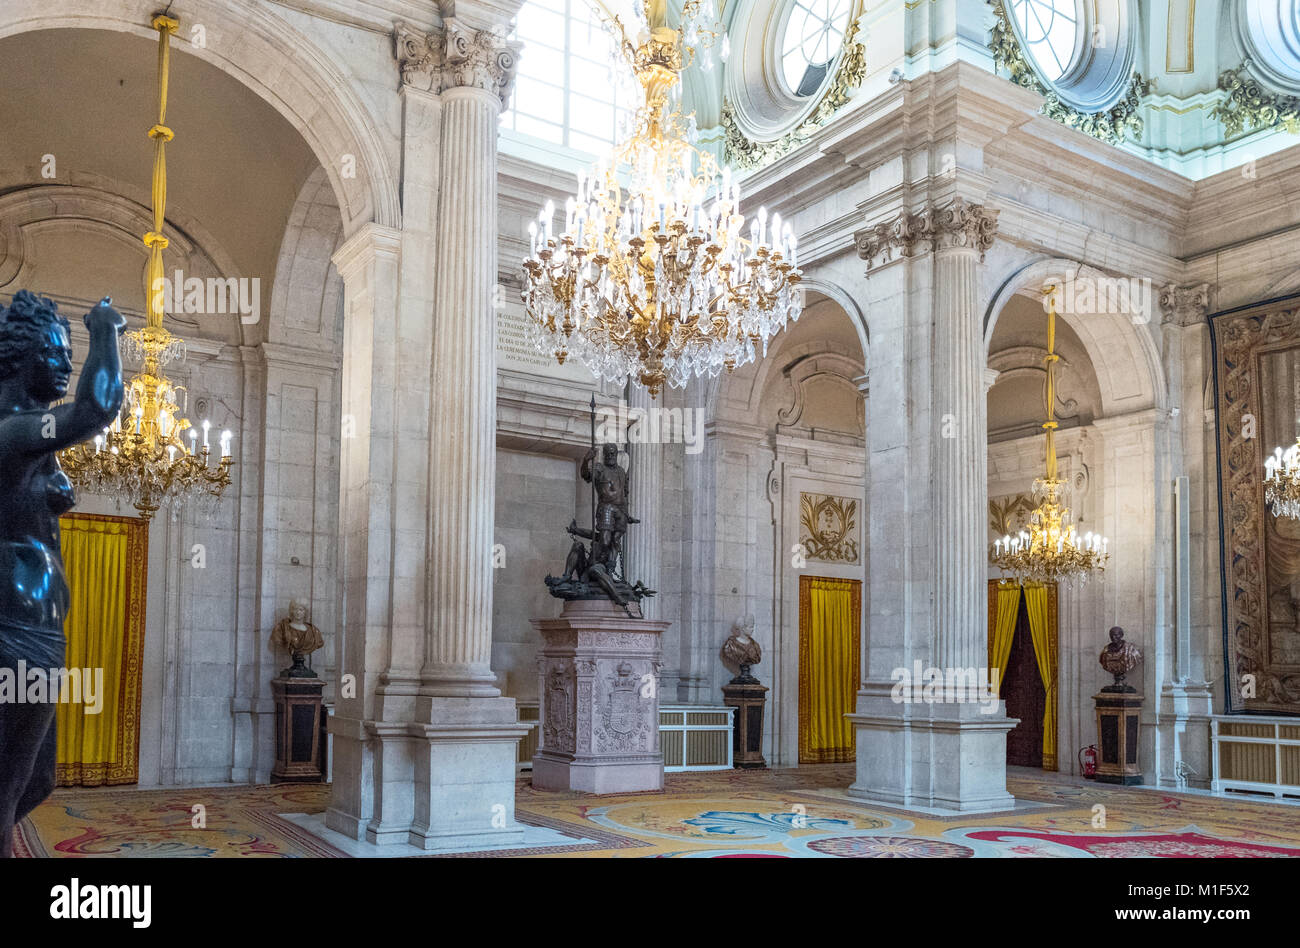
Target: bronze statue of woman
x=35, y=366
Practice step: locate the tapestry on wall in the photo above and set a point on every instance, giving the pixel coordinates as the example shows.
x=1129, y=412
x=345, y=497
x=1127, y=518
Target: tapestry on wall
x=1257, y=387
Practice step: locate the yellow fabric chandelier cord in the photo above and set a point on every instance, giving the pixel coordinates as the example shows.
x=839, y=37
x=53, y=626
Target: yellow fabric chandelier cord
x=161, y=135
x=1050, y=385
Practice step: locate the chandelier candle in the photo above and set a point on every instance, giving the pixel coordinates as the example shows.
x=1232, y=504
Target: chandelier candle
x=657, y=282
x=1282, y=482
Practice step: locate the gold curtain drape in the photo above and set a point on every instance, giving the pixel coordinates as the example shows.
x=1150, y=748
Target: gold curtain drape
x=830, y=613
x=105, y=561
x=1004, y=611
x=1042, y=628
x=1005, y=600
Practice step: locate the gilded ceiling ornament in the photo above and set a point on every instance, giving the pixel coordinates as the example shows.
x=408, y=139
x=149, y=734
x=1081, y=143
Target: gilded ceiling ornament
x=746, y=153
x=1249, y=107
x=1112, y=125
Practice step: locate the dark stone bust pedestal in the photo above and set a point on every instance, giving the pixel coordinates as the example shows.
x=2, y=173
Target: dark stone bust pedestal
x=1119, y=728
x=749, y=698
x=298, y=708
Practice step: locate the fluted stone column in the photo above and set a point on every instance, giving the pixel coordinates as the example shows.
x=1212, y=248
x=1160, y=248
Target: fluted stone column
x=645, y=486
x=959, y=420
x=927, y=456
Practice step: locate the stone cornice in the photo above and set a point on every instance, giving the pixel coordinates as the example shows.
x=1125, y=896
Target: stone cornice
x=958, y=225
x=1184, y=305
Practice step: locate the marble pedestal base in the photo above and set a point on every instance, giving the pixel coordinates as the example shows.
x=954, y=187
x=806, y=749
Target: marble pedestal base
x=442, y=781
x=947, y=756
x=599, y=693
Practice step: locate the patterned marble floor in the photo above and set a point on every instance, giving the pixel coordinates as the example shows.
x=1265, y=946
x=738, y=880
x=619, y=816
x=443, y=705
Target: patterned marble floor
x=784, y=813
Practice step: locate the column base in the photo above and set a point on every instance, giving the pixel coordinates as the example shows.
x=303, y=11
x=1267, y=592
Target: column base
x=949, y=756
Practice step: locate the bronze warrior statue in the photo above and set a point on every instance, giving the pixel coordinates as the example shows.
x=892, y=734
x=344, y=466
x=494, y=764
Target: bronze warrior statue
x=597, y=573
x=35, y=366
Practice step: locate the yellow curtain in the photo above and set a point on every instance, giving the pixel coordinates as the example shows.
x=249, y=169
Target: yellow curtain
x=1041, y=615
x=104, y=559
x=830, y=612
x=1002, y=630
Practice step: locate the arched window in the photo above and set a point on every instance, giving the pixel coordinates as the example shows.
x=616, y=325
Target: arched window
x=1049, y=30
x=814, y=33
x=571, y=88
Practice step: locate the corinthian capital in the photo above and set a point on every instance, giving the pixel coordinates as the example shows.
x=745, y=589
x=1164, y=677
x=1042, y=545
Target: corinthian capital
x=962, y=226
x=1184, y=305
x=957, y=225
x=478, y=59
x=419, y=57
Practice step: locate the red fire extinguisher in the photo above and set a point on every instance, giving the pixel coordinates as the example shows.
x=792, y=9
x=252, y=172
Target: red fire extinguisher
x=1088, y=761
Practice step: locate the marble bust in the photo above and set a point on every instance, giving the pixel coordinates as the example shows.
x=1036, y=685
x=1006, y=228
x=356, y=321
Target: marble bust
x=297, y=636
x=741, y=651
x=1119, y=658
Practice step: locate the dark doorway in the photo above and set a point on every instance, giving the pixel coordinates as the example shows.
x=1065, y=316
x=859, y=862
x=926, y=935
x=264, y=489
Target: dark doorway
x=1026, y=698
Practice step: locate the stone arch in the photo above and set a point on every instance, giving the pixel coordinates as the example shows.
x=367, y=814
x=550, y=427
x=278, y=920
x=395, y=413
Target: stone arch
x=1122, y=350
x=307, y=293
x=280, y=65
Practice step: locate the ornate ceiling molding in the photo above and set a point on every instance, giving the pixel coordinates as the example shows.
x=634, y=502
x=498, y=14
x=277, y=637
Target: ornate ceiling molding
x=746, y=153
x=1248, y=107
x=958, y=225
x=1111, y=125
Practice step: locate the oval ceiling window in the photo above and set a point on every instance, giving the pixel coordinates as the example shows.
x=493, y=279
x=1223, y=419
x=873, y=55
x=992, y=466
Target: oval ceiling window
x=811, y=41
x=1271, y=36
x=1049, y=33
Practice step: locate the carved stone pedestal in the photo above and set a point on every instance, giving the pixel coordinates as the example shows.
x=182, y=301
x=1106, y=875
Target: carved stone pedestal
x=298, y=710
x=599, y=693
x=749, y=700
x=1119, y=728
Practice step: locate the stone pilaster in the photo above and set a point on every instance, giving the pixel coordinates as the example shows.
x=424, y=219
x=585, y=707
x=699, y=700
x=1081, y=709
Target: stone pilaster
x=645, y=486
x=1182, y=732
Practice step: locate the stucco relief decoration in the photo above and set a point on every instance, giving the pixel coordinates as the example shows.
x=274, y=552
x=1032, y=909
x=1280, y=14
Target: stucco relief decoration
x=1184, y=305
x=419, y=57
x=559, y=722
x=744, y=152
x=478, y=59
x=1249, y=107
x=1261, y=558
x=1009, y=515
x=1112, y=125
x=828, y=527
x=956, y=225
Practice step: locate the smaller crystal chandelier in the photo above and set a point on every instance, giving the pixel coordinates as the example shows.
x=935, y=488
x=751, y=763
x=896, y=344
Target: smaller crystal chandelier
x=143, y=455
x=1050, y=551
x=1282, y=481
x=659, y=282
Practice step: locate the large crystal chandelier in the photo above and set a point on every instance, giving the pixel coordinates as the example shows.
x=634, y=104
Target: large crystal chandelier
x=1050, y=550
x=659, y=281
x=1282, y=481
x=142, y=455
